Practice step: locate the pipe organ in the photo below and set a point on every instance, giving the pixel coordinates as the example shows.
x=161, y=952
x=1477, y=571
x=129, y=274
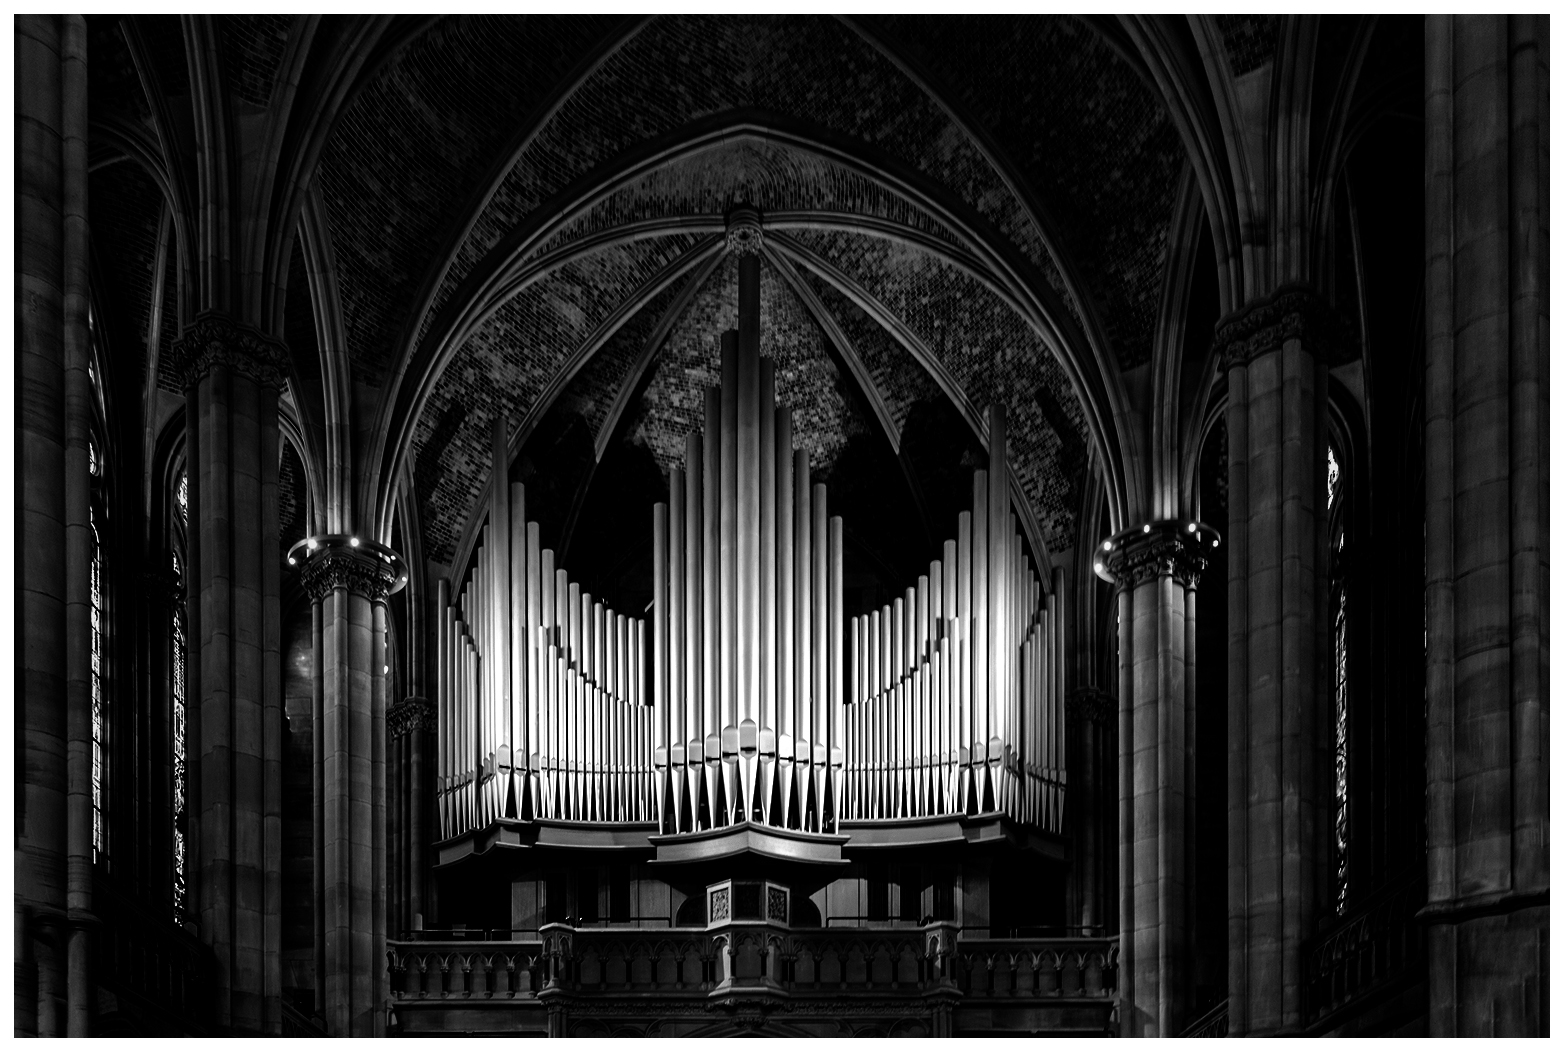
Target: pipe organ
x=542, y=708
x=750, y=696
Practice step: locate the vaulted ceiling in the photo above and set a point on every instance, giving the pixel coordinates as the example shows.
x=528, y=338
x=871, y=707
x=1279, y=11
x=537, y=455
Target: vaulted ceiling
x=525, y=216
x=518, y=205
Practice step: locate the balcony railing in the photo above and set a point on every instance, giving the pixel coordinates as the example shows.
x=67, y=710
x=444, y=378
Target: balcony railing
x=1368, y=949
x=1038, y=968
x=757, y=957
x=150, y=961
x=1212, y=1024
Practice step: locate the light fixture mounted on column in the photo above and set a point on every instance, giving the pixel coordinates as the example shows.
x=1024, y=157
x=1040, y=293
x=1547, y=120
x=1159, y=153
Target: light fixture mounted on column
x=1184, y=544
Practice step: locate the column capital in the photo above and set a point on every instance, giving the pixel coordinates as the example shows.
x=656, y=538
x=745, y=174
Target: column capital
x=409, y=715
x=1292, y=312
x=1091, y=705
x=1174, y=548
x=333, y=561
x=215, y=339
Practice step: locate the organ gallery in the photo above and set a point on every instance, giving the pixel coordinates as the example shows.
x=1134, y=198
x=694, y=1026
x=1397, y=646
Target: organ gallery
x=789, y=526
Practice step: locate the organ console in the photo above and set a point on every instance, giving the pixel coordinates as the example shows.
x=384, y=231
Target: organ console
x=751, y=697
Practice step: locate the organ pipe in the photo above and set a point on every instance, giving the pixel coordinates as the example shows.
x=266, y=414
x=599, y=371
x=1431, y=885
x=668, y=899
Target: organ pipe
x=749, y=692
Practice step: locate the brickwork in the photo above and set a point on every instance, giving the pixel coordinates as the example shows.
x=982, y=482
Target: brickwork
x=1087, y=134
x=678, y=69
x=413, y=148
x=824, y=415
x=507, y=364
x=112, y=80
x=165, y=43
x=592, y=392
x=757, y=172
x=1250, y=40
x=252, y=50
x=124, y=206
x=899, y=378
x=986, y=348
x=292, y=499
x=167, y=380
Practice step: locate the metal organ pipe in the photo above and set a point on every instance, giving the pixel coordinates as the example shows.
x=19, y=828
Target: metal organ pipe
x=756, y=695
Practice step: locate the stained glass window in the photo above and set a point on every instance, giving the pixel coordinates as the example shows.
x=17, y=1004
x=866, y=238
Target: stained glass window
x=1332, y=476
x=177, y=708
x=99, y=831
x=1340, y=779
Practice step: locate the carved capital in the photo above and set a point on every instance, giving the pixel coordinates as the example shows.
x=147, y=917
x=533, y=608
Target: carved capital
x=341, y=568
x=409, y=715
x=744, y=232
x=215, y=339
x=1158, y=549
x=1091, y=705
x=1292, y=312
x=335, y=560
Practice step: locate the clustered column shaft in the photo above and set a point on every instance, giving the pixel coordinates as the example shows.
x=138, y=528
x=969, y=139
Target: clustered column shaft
x=232, y=378
x=349, y=588
x=1278, y=704
x=54, y=993
x=1157, y=570
x=1486, y=412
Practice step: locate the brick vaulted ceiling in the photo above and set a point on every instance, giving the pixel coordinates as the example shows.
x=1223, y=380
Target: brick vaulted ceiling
x=526, y=217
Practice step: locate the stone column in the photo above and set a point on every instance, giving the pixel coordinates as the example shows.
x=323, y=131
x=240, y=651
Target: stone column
x=53, y=991
x=40, y=532
x=1486, y=103
x=349, y=581
x=412, y=723
x=1156, y=567
x=1278, y=700
x=232, y=376
x=1089, y=714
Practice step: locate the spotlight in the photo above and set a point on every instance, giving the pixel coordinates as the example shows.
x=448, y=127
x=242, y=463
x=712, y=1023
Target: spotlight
x=1191, y=527
x=1215, y=542
x=292, y=561
x=1146, y=528
x=353, y=541
x=311, y=543
x=1107, y=546
x=1099, y=567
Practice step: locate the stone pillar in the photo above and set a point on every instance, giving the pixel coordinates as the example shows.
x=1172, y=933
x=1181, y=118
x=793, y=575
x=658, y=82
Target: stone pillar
x=1279, y=708
x=349, y=581
x=1156, y=567
x=412, y=725
x=1089, y=715
x=53, y=992
x=232, y=377
x=1486, y=103
x=40, y=532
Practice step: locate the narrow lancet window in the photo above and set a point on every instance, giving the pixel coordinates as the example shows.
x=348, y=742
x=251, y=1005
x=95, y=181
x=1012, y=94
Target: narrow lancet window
x=177, y=702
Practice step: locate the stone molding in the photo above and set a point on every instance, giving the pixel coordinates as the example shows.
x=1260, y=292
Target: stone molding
x=409, y=715
x=214, y=339
x=1160, y=553
x=1292, y=312
x=1091, y=705
x=359, y=572
x=744, y=235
